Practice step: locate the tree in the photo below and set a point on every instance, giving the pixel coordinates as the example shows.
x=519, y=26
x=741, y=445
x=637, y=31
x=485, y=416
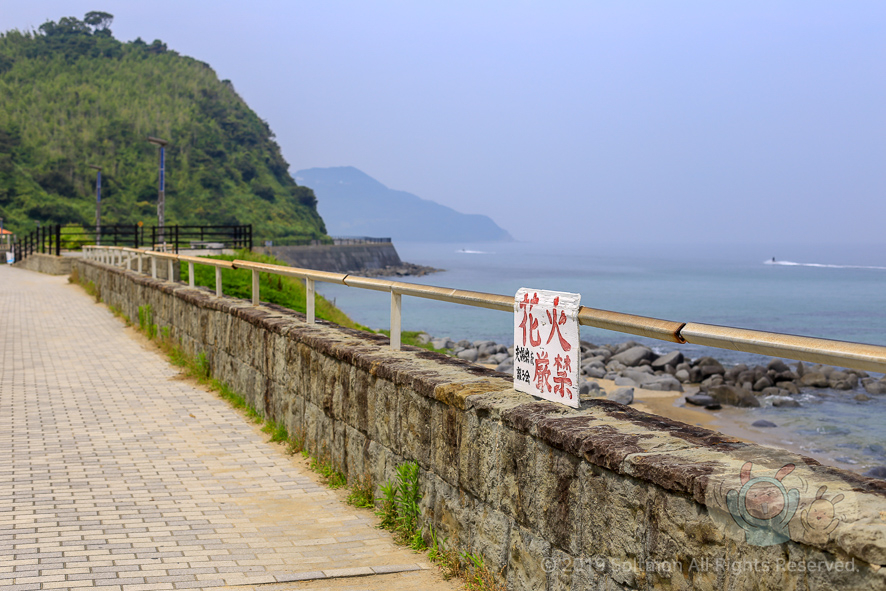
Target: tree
x=98, y=20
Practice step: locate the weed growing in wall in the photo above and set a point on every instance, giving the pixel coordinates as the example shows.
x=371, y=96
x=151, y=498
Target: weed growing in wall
x=90, y=287
x=400, y=510
x=277, y=431
x=146, y=321
x=322, y=465
x=361, y=492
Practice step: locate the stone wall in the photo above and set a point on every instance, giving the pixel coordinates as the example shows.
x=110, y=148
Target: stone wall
x=604, y=497
x=46, y=263
x=337, y=258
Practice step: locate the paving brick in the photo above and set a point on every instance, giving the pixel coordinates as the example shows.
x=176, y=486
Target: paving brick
x=118, y=474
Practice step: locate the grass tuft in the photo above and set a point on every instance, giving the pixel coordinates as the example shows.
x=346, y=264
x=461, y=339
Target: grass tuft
x=288, y=292
x=361, y=494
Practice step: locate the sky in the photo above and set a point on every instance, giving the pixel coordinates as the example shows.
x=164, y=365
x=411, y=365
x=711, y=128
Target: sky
x=593, y=122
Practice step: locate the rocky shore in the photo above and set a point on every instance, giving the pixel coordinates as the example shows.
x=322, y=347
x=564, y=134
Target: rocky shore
x=711, y=386
x=402, y=270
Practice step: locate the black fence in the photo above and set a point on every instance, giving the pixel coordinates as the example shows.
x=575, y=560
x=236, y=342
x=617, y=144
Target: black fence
x=55, y=238
x=190, y=237
x=45, y=240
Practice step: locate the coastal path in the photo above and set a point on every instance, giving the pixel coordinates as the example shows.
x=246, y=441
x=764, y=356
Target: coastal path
x=117, y=473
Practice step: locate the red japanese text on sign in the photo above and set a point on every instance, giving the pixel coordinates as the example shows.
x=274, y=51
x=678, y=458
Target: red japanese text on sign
x=546, y=346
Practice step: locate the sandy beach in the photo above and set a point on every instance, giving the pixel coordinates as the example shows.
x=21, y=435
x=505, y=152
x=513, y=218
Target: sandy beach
x=732, y=421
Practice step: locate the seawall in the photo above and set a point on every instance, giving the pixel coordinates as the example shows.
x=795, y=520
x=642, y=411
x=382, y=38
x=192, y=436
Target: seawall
x=553, y=498
x=46, y=263
x=337, y=258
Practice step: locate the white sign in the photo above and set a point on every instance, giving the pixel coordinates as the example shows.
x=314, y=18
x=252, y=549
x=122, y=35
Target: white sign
x=547, y=353
x=10, y=257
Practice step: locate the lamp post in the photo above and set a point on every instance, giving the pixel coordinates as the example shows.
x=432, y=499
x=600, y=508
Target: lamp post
x=98, y=203
x=161, y=196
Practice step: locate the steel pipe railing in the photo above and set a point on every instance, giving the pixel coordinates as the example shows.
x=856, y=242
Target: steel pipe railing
x=800, y=348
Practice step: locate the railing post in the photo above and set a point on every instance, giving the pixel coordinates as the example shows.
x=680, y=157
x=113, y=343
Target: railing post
x=190, y=274
x=218, y=283
x=395, y=320
x=153, y=267
x=309, y=290
x=139, y=263
x=169, y=269
x=128, y=262
x=255, y=293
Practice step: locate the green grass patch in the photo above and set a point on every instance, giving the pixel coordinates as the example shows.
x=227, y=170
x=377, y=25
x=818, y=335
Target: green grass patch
x=410, y=337
x=361, y=494
x=288, y=292
x=277, y=431
x=323, y=466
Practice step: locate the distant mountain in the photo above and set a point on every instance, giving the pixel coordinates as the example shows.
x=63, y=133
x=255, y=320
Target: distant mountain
x=354, y=204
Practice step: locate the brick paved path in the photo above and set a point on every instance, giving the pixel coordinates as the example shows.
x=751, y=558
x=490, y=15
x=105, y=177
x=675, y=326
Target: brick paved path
x=114, y=472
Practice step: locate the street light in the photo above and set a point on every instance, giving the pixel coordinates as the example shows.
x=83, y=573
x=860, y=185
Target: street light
x=98, y=203
x=161, y=196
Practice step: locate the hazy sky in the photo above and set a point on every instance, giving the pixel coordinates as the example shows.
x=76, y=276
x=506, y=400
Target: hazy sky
x=738, y=121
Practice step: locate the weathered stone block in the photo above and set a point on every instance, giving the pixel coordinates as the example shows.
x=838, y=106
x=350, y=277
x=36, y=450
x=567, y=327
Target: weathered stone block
x=529, y=555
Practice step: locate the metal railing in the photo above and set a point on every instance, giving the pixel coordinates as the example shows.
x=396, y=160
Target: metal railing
x=359, y=240
x=43, y=240
x=811, y=349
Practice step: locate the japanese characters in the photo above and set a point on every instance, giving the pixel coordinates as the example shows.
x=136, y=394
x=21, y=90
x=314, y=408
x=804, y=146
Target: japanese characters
x=546, y=346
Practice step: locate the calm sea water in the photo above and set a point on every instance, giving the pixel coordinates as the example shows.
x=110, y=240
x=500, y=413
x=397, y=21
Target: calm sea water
x=822, y=291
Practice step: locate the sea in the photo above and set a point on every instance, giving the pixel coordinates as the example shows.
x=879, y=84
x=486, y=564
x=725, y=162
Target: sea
x=828, y=291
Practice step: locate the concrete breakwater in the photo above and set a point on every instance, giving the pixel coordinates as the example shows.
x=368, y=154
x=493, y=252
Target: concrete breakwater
x=555, y=498
x=365, y=259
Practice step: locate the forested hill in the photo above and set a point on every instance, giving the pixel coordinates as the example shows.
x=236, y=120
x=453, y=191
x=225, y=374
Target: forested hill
x=71, y=95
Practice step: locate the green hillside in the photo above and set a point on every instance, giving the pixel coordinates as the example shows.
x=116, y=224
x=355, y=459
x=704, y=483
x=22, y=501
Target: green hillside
x=71, y=95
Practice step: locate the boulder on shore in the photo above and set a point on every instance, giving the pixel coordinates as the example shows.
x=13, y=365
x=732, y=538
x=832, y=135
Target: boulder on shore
x=634, y=356
x=778, y=366
x=674, y=358
x=784, y=402
x=814, y=379
x=733, y=395
x=878, y=387
x=622, y=396
x=703, y=400
x=469, y=355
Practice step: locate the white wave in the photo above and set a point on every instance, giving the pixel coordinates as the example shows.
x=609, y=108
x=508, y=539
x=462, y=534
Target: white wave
x=465, y=251
x=820, y=265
